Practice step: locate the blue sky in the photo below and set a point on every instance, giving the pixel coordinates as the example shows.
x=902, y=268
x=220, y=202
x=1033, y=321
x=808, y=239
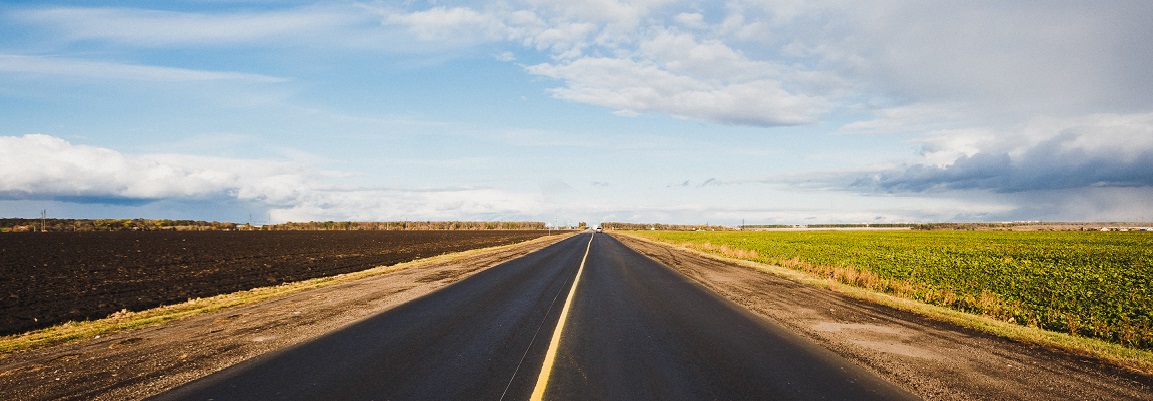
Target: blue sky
x=768, y=112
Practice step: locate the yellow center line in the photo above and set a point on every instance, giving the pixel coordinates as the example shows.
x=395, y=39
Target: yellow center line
x=550, y=356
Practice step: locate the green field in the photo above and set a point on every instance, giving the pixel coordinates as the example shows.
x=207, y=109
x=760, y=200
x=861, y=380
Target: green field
x=1095, y=284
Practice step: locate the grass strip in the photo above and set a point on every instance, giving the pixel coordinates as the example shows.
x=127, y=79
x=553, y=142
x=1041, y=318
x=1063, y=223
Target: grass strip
x=1133, y=360
x=126, y=320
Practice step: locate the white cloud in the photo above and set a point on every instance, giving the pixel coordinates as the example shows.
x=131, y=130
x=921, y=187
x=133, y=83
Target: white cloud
x=632, y=87
x=457, y=26
x=910, y=118
x=41, y=166
x=1079, y=168
x=945, y=132
x=618, y=16
x=48, y=168
x=446, y=204
x=505, y=56
x=703, y=59
x=604, y=56
x=166, y=28
x=63, y=66
x=451, y=24
x=1105, y=150
x=997, y=57
x=566, y=40
x=691, y=20
x=322, y=27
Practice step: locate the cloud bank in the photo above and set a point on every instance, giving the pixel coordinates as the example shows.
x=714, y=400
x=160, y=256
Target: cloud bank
x=604, y=56
x=769, y=63
x=43, y=167
x=1100, y=151
x=1095, y=167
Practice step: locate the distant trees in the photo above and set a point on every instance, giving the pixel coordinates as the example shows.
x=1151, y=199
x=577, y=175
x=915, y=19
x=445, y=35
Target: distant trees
x=24, y=225
x=658, y=226
x=408, y=225
x=18, y=225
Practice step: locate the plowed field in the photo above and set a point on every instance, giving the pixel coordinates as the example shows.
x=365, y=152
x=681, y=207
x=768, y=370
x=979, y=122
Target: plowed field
x=49, y=278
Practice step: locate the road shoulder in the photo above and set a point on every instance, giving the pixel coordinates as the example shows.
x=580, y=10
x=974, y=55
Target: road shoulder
x=932, y=359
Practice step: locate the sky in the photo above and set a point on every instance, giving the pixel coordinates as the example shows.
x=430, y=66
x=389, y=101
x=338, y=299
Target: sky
x=685, y=112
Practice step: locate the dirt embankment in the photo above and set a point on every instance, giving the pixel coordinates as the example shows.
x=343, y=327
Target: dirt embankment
x=935, y=360
x=139, y=363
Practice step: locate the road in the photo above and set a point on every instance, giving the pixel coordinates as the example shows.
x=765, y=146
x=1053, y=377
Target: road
x=632, y=329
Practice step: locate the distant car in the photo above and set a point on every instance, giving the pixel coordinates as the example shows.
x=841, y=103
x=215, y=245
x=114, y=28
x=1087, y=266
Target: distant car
x=599, y=229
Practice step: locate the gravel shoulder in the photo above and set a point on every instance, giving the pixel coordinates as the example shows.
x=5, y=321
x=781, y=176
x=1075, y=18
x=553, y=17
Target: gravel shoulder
x=935, y=360
x=136, y=364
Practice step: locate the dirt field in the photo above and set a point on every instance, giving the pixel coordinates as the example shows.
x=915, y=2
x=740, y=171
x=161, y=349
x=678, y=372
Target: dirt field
x=140, y=363
x=935, y=360
x=49, y=278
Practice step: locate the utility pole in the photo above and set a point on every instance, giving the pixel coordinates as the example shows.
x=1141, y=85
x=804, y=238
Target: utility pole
x=43, y=220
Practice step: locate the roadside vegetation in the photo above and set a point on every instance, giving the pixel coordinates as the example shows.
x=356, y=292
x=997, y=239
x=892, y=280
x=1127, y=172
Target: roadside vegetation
x=1091, y=284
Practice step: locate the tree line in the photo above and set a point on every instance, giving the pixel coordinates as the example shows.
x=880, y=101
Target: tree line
x=408, y=225
x=57, y=225
x=23, y=225
x=612, y=225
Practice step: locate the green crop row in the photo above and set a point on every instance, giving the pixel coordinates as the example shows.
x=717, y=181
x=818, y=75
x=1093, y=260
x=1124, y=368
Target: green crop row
x=1095, y=284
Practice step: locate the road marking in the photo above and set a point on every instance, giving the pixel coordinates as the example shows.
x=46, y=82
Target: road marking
x=550, y=356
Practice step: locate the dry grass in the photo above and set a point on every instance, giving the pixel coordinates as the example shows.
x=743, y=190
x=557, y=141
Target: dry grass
x=985, y=312
x=986, y=304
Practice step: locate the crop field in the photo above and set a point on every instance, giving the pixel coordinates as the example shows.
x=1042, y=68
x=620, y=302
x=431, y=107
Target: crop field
x=1096, y=284
x=54, y=277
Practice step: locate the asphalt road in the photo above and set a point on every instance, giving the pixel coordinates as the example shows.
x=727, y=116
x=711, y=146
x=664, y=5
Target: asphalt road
x=634, y=330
